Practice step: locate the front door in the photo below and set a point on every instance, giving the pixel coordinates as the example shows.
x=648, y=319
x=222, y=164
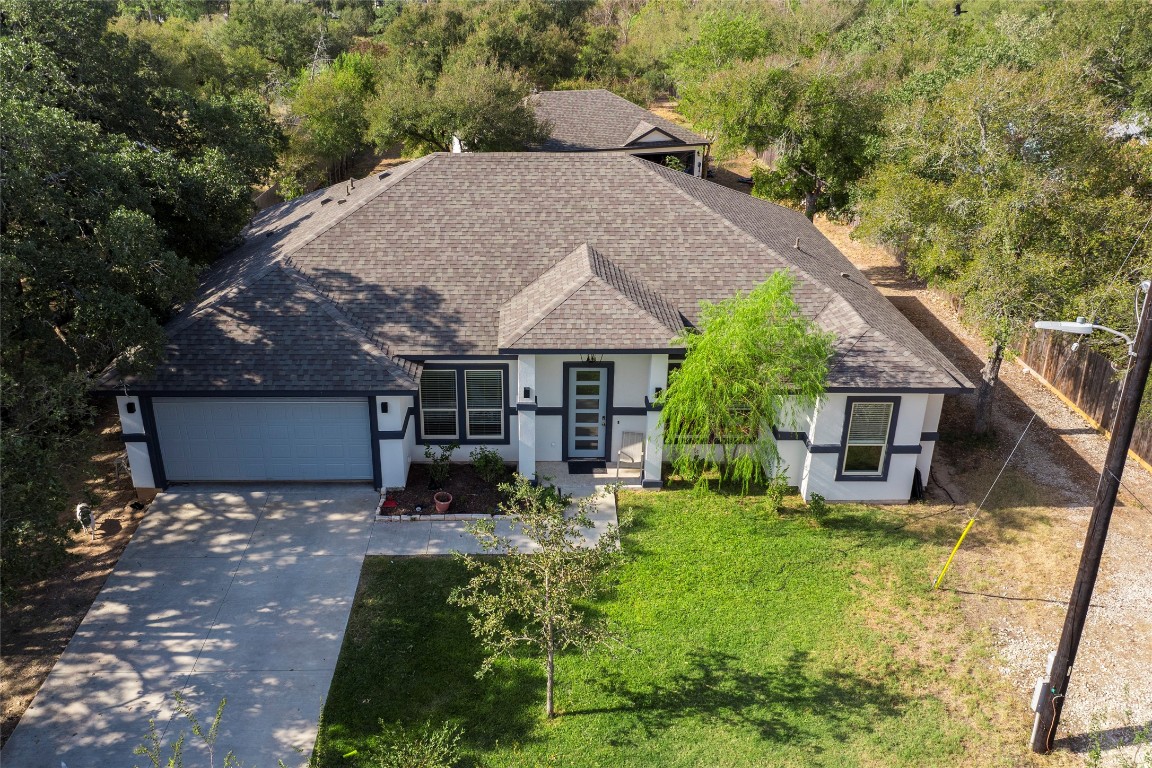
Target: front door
x=587, y=411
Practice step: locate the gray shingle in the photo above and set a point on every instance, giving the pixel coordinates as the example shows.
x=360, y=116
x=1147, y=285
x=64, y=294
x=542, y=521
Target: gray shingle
x=586, y=290
x=465, y=254
x=598, y=119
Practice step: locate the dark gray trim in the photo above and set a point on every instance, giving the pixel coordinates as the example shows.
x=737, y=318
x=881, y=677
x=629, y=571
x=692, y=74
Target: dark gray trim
x=587, y=351
x=652, y=484
x=609, y=413
x=135, y=437
x=398, y=434
x=630, y=410
x=906, y=449
x=651, y=406
x=883, y=476
x=374, y=438
x=957, y=390
x=267, y=393
x=469, y=358
x=525, y=407
x=155, y=459
x=929, y=437
x=485, y=364
x=802, y=436
x=628, y=148
x=822, y=448
x=549, y=410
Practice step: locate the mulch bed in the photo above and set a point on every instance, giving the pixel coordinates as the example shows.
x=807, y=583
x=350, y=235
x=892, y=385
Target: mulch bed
x=471, y=494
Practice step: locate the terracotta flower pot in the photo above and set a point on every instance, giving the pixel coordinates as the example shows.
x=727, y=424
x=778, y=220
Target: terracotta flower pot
x=443, y=500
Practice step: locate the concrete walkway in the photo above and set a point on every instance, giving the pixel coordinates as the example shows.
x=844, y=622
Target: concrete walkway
x=445, y=537
x=241, y=593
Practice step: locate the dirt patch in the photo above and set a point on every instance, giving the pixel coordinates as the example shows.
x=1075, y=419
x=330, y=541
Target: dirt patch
x=1014, y=574
x=39, y=622
x=471, y=494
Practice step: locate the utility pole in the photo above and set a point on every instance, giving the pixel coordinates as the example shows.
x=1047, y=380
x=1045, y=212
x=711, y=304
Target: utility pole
x=1049, y=699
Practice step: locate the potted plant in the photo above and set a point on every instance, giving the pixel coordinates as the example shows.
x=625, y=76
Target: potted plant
x=443, y=500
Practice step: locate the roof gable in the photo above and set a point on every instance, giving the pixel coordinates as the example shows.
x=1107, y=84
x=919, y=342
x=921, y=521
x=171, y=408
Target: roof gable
x=597, y=119
x=586, y=290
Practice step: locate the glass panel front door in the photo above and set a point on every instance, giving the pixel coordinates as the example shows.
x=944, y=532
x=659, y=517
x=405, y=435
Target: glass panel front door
x=587, y=407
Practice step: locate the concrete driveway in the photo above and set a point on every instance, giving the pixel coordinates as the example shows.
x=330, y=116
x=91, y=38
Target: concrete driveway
x=240, y=593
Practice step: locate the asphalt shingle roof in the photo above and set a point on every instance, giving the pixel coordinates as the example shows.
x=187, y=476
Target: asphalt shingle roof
x=598, y=119
x=586, y=290
x=468, y=254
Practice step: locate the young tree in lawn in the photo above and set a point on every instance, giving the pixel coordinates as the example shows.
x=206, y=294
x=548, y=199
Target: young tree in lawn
x=754, y=363
x=534, y=600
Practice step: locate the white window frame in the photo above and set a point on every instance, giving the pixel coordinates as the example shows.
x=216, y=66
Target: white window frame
x=490, y=409
x=454, y=410
x=872, y=440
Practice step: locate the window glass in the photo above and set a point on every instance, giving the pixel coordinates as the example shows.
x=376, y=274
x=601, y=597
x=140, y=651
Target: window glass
x=484, y=391
x=867, y=438
x=438, y=403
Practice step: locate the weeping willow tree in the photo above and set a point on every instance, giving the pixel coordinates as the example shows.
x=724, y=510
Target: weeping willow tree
x=755, y=362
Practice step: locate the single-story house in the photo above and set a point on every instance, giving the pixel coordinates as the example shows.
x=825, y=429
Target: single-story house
x=524, y=302
x=600, y=121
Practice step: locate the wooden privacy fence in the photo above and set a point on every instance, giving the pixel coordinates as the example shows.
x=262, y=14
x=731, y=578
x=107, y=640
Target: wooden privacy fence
x=1089, y=382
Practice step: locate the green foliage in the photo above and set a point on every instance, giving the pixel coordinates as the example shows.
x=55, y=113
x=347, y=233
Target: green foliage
x=117, y=189
x=331, y=108
x=425, y=747
x=488, y=464
x=479, y=103
x=1009, y=173
x=755, y=363
x=440, y=467
x=817, y=506
x=534, y=600
x=823, y=126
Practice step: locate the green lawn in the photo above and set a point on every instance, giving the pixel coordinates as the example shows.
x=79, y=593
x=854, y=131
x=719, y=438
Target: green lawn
x=747, y=638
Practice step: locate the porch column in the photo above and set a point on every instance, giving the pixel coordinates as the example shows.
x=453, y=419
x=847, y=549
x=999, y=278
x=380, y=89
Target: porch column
x=526, y=414
x=653, y=431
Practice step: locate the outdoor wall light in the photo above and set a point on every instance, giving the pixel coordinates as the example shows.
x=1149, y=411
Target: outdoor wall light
x=383, y=406
x=130, y=407
x=527, y=393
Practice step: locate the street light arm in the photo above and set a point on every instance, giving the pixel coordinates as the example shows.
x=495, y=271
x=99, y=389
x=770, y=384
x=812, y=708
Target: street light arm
x=1081, y=327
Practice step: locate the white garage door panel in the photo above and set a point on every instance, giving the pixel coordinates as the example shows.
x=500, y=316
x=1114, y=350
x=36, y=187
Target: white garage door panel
x=264, y=438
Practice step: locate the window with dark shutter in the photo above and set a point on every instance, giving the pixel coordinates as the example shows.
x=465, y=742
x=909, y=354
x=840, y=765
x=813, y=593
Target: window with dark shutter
x=867, y=441
x=438, y=406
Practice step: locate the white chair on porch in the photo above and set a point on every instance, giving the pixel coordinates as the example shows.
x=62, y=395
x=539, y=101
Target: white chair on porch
x=631, y=452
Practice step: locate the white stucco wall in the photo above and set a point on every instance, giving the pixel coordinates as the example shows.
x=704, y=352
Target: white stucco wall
x=931, y=424
x=395, y=454
x=139, y=462
x=820, y=469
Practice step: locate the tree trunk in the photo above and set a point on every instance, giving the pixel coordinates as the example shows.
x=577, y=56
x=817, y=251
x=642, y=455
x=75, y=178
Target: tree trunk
x=810, y=199
x=982, y=424
x=550, y=674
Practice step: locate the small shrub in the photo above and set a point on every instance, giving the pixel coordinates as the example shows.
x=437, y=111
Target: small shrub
x=425, y=747
x=488, y=464
x=817, y=506
x=440, y=468
x=776, y=491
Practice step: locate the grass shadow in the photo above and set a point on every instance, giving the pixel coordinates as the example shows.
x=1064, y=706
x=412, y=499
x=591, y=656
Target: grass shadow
x=791, y=704
x=410, y=658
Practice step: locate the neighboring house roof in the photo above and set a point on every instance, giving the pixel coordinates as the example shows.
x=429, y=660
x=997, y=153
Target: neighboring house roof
x=471, y=254
x=592, y=120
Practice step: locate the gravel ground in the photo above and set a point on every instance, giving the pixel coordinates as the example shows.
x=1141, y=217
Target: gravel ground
x=1015, y=573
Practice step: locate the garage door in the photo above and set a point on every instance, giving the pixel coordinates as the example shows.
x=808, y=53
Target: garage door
x=264, y=438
